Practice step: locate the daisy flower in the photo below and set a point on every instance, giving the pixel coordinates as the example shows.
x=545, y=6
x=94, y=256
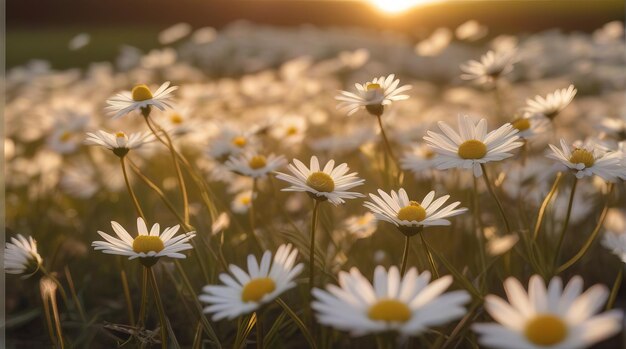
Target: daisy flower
x=419, y=161
x=586, y=159
x=552, y=317
x=529, y=127
x=362, y=226
x=331, y=183
x=408, y=304
x=230, y=141
x=473, y=146
x=289, y=130
x=242, y=202
x=119, y=142
x=147, y=246
x=141, y=98
x=615, y=236
x=492, y=65
x=373, y=95
x=255, y=165
x=248, y=291
x=552, y=104
x=410, y=216
x=614, y=127
x=21, y=256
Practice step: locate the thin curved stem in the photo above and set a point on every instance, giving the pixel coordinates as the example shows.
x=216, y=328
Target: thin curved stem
x=431, y=261
x=495, y=197
x=312, y=245
x=386, y=142
x=179, y=173
x=252, y=217
x=405, y=255
x=544, y=205
x=130, y=188
x=583, y=250
x=615, y=288
x=557, y=250
x=160, y=309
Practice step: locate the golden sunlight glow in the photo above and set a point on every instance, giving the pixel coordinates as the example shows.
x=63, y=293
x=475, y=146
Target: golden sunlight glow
x=397, y=6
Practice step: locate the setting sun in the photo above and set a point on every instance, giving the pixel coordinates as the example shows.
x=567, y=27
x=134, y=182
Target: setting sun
x=397, y=6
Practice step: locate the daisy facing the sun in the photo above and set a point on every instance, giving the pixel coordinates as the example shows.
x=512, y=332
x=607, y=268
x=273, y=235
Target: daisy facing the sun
x=329, y=183
x=410, y=217
x=374, y=96
x=141, y=98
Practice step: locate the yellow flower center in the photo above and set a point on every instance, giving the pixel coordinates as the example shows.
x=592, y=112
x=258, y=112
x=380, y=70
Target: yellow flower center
x=255, y=289
x=389, y=310
x=472, y=149
x=120, y=134
x=246, y=200
x=429, y=154
x=582, y=156
x=545, y=330
x=146, y=243
x=292, y=131
x=372, y=87
x=522, y=124
x=321, y=182
x=257, y=162
x=362, y=220
x=413, y=212
x=176, y=119
x=65, y=136
x=239, y=141
x=141, y=93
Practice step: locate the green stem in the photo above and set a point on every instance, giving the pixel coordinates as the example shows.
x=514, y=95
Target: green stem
x=616, y=285
x=544, y=205
x=312, y=245
x=251, y=215
x=130, y=189
x=480, y=234
x=431, y=261
x=557, y=250
x=129, y=302
x=495, y=197
x=70, y=282
x=299, y=323
x=179, y=173
x=159, y=304
x=144, y=298
x=405, y=255
x=259, y=329
x=583, y=250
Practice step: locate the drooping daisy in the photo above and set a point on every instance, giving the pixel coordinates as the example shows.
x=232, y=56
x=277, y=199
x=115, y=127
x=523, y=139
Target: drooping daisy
x=242, y=201
x=492, y=66
x=141, y=98
x=147, y=246
x=330, y=183
x=408, y=215
x=247, y=291
x=473, y=146
x=255, y=165
x=552, y=317
x=119, y=142
x=373, y=95
x=406, y=304
x=552, y=104
x=21, y=256
x=586, y=159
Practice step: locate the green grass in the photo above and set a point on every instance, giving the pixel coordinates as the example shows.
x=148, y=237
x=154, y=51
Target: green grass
x=51, y=44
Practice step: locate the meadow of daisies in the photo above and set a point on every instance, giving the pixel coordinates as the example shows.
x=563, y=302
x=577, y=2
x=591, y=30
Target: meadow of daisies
x=321, y=188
